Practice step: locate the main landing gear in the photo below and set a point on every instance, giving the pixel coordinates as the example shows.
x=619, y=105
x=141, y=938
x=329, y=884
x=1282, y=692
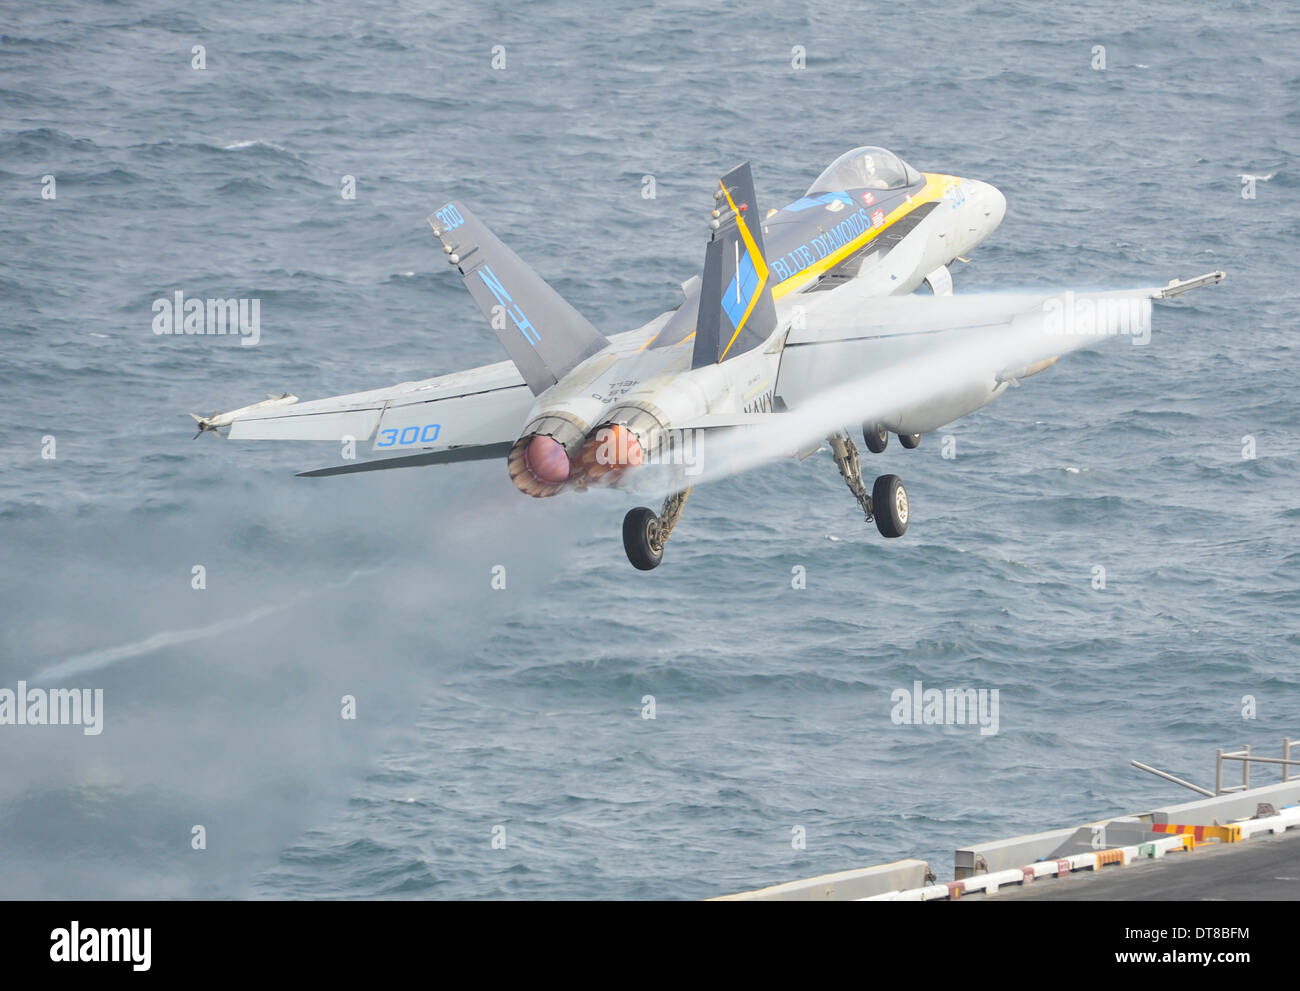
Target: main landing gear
x=887, y=503
x=877, y=438
x=645, y=532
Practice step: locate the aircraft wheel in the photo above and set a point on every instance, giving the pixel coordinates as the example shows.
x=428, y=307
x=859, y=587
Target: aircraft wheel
x=638, y=525
x=909, y=441
x=877, y=438
x=889, y=506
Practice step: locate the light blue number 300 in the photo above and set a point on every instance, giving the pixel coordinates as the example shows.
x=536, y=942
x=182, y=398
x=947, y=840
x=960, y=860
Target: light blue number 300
x=409, y=435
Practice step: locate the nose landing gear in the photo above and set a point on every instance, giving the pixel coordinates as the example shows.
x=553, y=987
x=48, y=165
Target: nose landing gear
x=877, y=438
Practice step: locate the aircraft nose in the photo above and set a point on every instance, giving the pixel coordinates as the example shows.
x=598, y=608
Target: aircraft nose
x=995, y=205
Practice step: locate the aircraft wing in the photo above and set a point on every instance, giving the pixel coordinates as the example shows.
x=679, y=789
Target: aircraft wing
x=851, y=360
x=470, y=415
x=934, y=343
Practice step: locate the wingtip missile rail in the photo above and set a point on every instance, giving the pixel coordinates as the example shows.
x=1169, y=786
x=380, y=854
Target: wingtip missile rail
x=213, y=423
x=1177, y=287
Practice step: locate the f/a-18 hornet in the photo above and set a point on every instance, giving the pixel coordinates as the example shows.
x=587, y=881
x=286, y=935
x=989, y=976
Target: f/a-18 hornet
x=803, y=320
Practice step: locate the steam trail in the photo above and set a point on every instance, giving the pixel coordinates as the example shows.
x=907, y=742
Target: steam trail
x=107, y=656
x=964, y=355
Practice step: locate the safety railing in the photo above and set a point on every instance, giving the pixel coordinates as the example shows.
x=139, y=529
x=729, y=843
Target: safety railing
x=1243, y=755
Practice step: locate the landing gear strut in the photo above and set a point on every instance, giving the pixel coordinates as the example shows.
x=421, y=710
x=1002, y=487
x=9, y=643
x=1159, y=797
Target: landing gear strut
x=887, y=504
x=645, y=533
x=845, y=453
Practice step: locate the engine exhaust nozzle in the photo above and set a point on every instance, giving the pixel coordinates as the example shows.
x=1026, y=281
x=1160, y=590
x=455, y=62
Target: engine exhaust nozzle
x=610, y=448
x=538, y=465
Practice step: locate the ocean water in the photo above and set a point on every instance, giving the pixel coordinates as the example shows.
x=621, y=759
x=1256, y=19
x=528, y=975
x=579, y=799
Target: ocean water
x=499, y=747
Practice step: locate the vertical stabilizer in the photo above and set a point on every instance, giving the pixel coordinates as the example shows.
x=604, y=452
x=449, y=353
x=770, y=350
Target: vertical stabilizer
x=736, y=309
x=545, y=337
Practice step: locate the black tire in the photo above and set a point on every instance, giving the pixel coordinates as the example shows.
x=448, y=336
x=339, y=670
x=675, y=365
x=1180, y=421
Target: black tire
x=636, y=539
x=876, y=438
x=909, y=441
x=889, y=506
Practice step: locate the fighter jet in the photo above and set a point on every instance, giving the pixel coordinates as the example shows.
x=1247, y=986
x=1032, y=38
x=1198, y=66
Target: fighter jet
x=805, y=325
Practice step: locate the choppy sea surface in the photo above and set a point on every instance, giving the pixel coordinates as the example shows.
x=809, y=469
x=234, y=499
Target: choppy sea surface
x=499, y=747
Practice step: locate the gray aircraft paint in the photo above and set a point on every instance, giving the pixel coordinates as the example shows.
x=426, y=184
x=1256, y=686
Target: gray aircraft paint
x=564, y=372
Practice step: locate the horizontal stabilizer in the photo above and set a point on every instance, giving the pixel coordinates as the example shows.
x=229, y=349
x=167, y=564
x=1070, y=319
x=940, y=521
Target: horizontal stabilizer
x=482, y=452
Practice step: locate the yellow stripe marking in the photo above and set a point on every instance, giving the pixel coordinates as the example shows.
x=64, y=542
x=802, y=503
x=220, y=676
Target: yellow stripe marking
x=760, y=268
x=935, y=187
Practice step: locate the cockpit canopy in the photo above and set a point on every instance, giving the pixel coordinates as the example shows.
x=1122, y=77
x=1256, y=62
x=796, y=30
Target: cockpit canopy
x=868, y=167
